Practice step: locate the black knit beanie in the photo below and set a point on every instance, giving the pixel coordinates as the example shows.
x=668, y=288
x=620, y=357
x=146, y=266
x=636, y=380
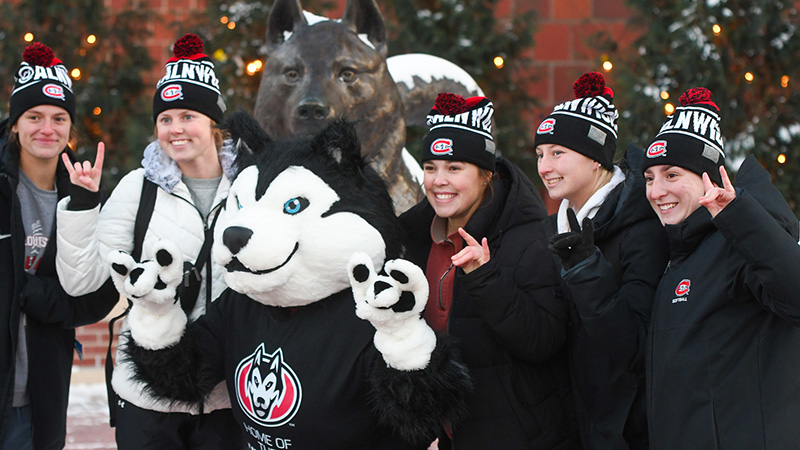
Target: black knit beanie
x=690, y=138
x=460, y=130
x=42, y=79
x=588, y=124
x=189, y=82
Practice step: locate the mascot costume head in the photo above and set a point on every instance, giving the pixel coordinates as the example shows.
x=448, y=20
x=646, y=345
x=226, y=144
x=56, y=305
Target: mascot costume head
x=296, y=213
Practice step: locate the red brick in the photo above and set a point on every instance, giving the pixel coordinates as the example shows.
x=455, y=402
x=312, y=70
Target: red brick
x=552, y=42
x=610, y=9
x=563, y=79
x=572, y=9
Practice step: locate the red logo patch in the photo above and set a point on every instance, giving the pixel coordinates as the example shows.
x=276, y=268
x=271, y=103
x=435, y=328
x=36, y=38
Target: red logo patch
x=442, y=147
x=683, y=287
x=547, y=126
x=54, y=91
x=267, y=389
x=172, y=92
x=656, y=149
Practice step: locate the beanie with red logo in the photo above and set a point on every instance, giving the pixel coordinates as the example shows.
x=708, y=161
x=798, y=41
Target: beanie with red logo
x=190, y=81
x=460, y=130
x=690, y=138
x=587, y=124
x=42, y=79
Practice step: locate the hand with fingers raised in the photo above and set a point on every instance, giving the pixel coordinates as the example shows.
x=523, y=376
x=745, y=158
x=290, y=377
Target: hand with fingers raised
x=716, y=198
x=85, y=174
x=575, y=245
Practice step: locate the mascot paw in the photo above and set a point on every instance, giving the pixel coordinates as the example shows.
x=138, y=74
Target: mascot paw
x=393, y=301
x=151, y=286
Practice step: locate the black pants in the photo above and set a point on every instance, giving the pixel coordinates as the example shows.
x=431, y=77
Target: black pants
x=143, y=429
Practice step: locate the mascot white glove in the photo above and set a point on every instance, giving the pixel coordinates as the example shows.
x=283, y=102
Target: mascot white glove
x=156, y=319
x=393, y=304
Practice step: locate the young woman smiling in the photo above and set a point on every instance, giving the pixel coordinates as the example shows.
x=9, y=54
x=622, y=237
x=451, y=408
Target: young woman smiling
x=478, y=236
x=610, y=264
x=187, y=163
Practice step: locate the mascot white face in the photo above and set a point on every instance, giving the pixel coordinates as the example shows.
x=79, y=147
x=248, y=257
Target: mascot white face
x=284, y=236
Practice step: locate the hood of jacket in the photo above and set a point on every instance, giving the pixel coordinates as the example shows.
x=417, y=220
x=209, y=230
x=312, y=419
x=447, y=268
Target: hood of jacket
x=164, y=171
x=753, y=178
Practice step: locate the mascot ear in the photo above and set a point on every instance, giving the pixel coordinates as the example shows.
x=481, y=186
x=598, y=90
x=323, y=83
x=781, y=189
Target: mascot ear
x=340, y=141
x=250, y=138
x=285, y=16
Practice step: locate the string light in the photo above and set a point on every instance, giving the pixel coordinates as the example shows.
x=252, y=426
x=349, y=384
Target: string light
x=223, y=20
x=91, y=39
x=231, y=25
x=97, y=110
x=254, y=67
x=76, y=74
x=664, y=95
x=499, y=62
x=607, y=66
x=716, y=29
x=781, y=158
x=28, y=37
x=749, y=77
x=785, y=81
x=220, y=55
x=669, y=108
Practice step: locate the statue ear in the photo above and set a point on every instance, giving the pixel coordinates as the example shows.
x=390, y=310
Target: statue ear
x=285, y=16
x=364, y=17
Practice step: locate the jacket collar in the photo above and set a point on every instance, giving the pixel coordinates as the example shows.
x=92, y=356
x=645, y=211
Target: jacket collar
x=164, y=171
x=687, y=235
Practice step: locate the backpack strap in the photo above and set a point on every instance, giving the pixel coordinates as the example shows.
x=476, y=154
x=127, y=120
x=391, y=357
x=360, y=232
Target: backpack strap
x=147, y=202
x=189, y=290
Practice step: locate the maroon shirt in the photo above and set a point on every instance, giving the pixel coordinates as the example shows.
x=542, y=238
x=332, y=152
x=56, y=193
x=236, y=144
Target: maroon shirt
x=441, y=274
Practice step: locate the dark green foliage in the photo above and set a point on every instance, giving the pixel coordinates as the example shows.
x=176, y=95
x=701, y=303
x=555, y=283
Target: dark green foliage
x=678, y=49
x=112, y=71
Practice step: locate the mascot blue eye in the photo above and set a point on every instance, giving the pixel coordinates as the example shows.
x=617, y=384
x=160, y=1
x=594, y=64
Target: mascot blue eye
x=295, y=205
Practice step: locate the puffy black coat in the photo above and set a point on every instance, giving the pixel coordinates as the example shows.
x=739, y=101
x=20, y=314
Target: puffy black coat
x=611, y=296
x=722, y=362
x=510, y=322
x=51, y=314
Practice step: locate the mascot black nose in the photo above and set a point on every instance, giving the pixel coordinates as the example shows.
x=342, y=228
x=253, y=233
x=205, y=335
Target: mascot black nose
x=236, y=237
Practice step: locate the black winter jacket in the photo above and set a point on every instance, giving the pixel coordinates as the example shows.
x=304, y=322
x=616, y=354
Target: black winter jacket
x=611, y=296
x=722, y=363
x=510, y=322
x=51, y=314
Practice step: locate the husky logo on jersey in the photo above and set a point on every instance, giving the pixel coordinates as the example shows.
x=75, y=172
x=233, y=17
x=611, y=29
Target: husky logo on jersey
x=172, y=92
x=656, y=149
x=54, y=91
x=267, y=389
x=547, y=126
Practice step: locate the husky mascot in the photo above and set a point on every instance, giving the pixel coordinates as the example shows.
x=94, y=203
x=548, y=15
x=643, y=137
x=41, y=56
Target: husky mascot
x=306, y=229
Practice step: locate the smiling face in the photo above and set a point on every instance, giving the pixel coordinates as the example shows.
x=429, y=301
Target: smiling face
x=43, y=132
x=454, y=189
x=673, y=192
x=186, y=136
x=566, y=173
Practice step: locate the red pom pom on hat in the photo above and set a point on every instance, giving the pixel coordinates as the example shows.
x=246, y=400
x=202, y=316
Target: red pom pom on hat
x=591, y=84
x=698, y=95
x=38, y=54
x=187, y=46
x=450, y=104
